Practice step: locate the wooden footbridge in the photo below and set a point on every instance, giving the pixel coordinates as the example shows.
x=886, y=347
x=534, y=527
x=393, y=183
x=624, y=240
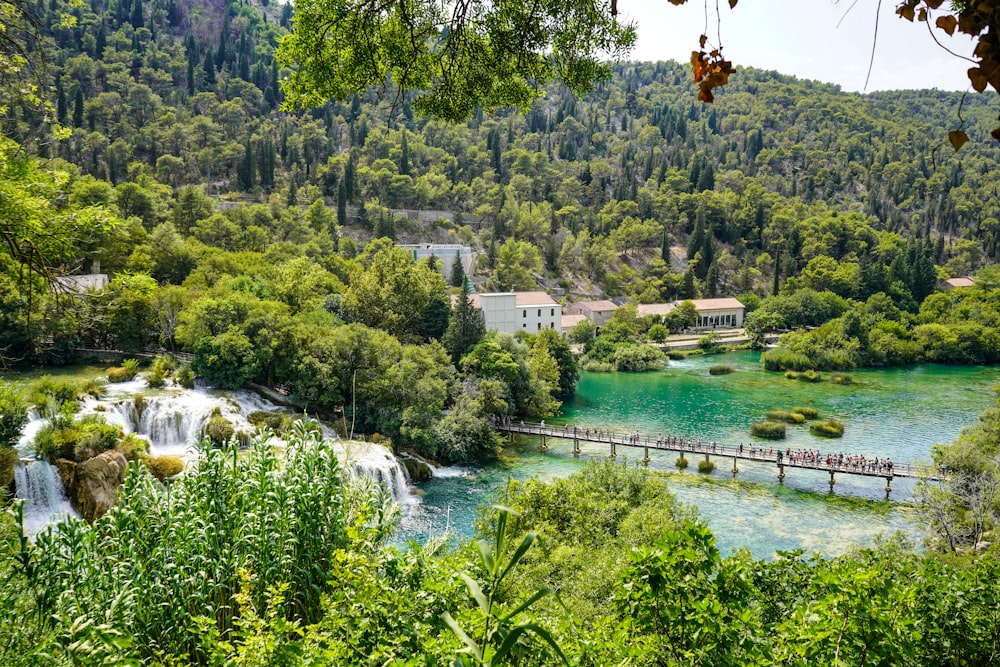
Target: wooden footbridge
x=756, y=452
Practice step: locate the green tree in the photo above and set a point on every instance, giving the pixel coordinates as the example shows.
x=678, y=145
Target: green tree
x=465, y=327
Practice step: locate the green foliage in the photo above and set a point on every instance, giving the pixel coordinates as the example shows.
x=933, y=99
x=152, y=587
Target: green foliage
x=705, y=466
x=13, y=415
x=772, y=430
x=582, y=332
x=160, y=371
x=658, y=333
x=77, y=440
x=806, y=411
x=218, y=430
x=830, y=428
x=841, y=378
x=681, y=462
x=780, y=359
x=721, y=369
x=235, y=529
x=810, y=376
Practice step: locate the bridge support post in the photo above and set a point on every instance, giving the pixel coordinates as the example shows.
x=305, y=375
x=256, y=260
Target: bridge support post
x=576, y=447
x=781, y=473
x=542, y=447
x=832, y=481
x=614, y=454
x=735, y=469
x=645, y=459
x=888, y=487
x=511, y=434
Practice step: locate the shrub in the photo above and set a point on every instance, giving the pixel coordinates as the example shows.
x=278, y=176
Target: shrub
x=778, y=415
x=841, y=378
x=275, y=421
x=806, y=411
x=161, y=369
x=705, y=466
x=771, y=430
x=721, y=369
x=658, y=333
x=48, y=389
x=595, y=366
x=131, y=367
x=185, y=377
x=218, y=429
x=795, y=418
x=637, y=358
x=681, y=462
x=709, y=341
x=94, y=387
x=133, y=447
x=791, y=375
x=163, y=467
x=810, y=376
x=8, y=461
x=780, y=359
x=831, y=428
x=117, y=374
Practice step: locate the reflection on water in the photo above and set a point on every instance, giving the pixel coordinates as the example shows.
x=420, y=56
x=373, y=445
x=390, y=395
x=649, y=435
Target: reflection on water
x=895, y=413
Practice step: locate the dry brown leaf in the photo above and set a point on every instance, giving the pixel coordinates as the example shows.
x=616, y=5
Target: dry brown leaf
x=957, y=138
x=947, y=23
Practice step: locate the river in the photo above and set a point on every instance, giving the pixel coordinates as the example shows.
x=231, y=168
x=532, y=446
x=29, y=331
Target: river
x=898, y=413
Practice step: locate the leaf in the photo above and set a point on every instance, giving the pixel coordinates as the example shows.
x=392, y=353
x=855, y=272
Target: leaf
x=957, y=138
x=732, y=4
x=477, y=593
x=473, y=647
x=978, y=79
x=996, y=134
x=702, y=41
x=947, y=23
x=907, y=12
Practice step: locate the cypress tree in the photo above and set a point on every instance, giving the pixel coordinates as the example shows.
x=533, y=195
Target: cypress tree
x=665, y=248
x=349, y=178
x=136, y=19
x=457, y=271
x=777, y=274
x=404, y=157
x=434, y=318
x=465, y=327
x=342, y=203
x=78, y=108
x=246, y=170
x=60, y=103
x=209, y=67
x=102, y=42
x=190, y=78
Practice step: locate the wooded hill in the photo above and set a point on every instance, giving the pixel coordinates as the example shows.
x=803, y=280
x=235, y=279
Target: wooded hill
x=586, y=194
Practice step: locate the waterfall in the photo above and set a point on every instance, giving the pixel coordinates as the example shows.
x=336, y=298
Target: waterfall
x=376, y=461
x=45, y=502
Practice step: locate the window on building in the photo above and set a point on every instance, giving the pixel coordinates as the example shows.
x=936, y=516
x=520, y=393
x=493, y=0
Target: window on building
x=524, y=326
x=524, y=313
x=539, y=325
x=539, y=312
x=552, y=312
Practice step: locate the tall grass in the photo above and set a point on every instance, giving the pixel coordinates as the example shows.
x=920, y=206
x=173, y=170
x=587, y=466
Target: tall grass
x=237, y=524
x=780, y=359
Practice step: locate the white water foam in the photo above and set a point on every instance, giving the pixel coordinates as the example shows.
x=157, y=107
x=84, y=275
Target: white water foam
x=38, y=484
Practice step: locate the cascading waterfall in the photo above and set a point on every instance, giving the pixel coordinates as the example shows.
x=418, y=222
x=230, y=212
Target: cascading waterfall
x=376, y=461
x=45, y=501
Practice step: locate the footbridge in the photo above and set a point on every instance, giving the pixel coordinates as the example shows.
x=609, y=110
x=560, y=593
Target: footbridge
x=887, y=470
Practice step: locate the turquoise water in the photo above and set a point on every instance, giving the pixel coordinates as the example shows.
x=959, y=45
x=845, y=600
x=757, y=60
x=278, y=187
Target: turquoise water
x=895, y=413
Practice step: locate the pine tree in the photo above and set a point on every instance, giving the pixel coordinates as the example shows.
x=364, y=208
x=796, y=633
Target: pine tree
x=465, y=327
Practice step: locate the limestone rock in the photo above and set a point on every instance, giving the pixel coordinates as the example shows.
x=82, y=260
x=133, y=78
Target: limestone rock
x=417, y=468
x=96, y=483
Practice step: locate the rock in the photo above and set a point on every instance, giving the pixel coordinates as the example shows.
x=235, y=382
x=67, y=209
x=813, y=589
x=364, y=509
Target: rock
x=95, y=485
x=416, y=467
x=8, y=460
x=983, y=546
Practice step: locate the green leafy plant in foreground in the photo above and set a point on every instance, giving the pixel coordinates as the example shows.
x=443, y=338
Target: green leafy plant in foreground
x=496, y=637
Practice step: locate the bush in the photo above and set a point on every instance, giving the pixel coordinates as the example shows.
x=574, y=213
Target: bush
x=841, y=378
x=595, y=366
x=185, y=377
x=94, y=387
x=721, y=369
x=131, y=367
x=218, y=429
x=8, y=461
x=831, y=428
x=658, y=333
x=637, y=358
x=133, y=447
x=705, y=466
x=771, y=430
x=163, y=467
x=117, y=374
x=806, y=411
x=777, y=415
x=795, y=418
x=48, y=390
x=780, y=359
x=709, y=341
x=791, y=375
x=160, y=371
x=681, y=462
x=810, y=376
x=275, y=421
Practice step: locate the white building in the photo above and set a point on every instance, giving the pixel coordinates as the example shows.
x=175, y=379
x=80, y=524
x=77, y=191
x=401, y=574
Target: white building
x=446, y=253
x=712, y=313
x=508, y=312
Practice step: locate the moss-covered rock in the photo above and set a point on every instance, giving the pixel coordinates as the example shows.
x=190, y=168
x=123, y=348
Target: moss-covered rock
x=8, y=461
x=164, y=467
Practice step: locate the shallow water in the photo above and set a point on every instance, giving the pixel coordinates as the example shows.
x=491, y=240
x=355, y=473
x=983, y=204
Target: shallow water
x=895, y=413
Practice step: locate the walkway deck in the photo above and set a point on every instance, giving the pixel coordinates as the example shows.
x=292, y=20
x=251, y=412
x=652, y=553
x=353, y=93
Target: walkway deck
x=761, y=453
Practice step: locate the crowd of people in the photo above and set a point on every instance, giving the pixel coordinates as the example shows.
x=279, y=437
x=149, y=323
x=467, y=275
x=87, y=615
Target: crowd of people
x=807, y=457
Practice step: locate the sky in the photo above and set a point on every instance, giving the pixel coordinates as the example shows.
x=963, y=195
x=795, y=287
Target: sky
x=802, y=38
